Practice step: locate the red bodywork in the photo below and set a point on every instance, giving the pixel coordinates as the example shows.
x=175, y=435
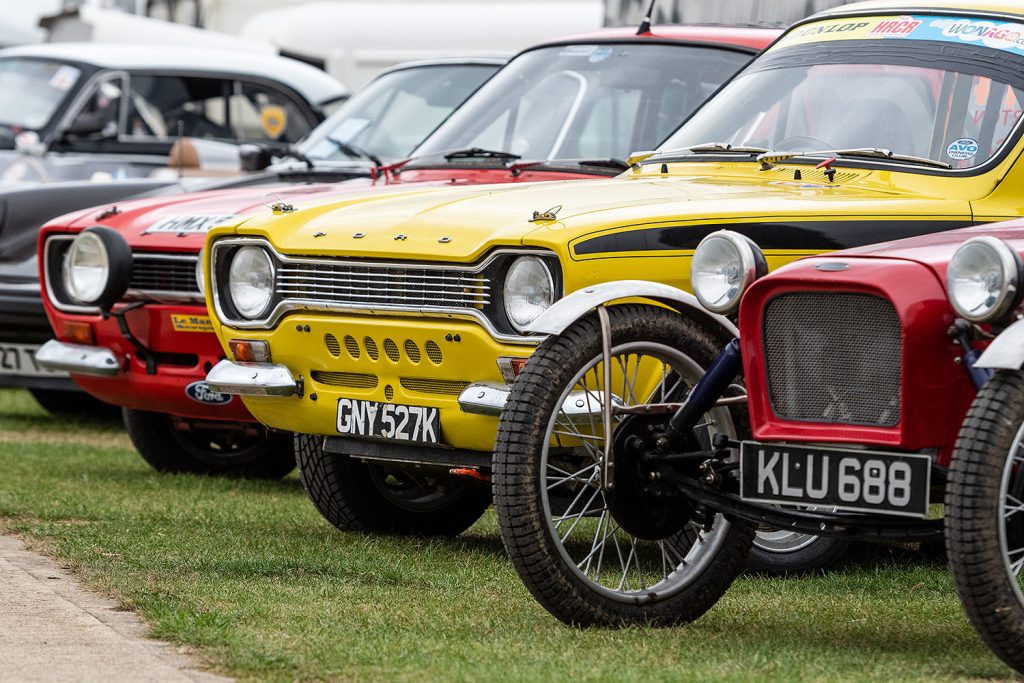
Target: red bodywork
x=911, y=273
x=195, y=352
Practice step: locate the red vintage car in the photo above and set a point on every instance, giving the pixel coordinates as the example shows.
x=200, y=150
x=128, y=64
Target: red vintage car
x=124, y=297
x=879, y=380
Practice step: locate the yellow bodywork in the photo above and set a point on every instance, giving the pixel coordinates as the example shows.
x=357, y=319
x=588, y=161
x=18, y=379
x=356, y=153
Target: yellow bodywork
x=635, y=226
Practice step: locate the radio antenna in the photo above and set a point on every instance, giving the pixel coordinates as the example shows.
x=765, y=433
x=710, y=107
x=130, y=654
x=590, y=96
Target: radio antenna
x=645, y=25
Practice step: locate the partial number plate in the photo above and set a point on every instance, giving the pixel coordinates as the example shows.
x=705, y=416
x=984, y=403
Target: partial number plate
x=859, y=481
x=20, y=359
x=392, y=421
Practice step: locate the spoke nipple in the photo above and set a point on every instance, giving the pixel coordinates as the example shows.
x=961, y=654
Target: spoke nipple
x=655, y=476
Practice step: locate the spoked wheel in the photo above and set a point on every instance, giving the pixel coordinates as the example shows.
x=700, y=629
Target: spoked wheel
x=173, y=444
x=385, y=497
x=780, y=552
x=638, y=552
x=985, y=516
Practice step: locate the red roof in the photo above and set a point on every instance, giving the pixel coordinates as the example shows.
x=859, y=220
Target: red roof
x=745, y=36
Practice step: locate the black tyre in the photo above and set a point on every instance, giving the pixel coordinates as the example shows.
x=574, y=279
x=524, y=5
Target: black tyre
x=387, y=498
x=73, y=404
x=780, y=553
x=173, y=444
x=985, y=516
x=570, y=547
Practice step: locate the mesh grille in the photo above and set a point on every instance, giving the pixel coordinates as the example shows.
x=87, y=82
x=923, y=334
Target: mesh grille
x=358, y=286
x=412, y=351
x=834, y=358
x=152, y=273
x=331, y=342
x=433, y=352
x=391, y=349
x=345, y=379
x=371, y=348
x=434, y=386
x=351, y=346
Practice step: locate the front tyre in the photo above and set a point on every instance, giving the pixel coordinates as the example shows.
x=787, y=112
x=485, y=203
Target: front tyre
x=172, y=444
x=567, y=539
x=387, y=498
x=984, y=510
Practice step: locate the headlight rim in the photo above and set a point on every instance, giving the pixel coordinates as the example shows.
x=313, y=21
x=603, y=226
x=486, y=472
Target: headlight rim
x=119, y=267
x=752, y=264
x=551, y=282
x=272, y=262
x=1013, y=274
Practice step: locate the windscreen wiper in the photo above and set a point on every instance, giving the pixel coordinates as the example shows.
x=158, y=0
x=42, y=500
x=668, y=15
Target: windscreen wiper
x=480, y=153
x=355, y=151
x=618, y=164
x=878, y=153
x=292, y=152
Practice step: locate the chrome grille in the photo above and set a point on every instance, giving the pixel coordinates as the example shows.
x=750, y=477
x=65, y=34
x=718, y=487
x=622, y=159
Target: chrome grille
x=834, y=358
x=357, y=286
x=164, y=274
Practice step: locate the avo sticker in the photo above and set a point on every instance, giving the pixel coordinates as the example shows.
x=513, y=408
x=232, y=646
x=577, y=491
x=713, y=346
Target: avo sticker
x=600, y=54
x=962, y=149
x=191, y=323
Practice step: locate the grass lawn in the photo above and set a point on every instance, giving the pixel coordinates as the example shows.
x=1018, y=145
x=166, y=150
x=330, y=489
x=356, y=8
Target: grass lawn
x=262, y=588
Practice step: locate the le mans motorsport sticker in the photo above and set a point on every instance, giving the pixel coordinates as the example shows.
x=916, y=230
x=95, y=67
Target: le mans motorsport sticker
x=191, y=323
x=997, y=35
x=188, y=225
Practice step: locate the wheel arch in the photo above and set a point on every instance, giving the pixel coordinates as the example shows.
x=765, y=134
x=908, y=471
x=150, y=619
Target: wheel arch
x=568, y=310
x=1006, y=352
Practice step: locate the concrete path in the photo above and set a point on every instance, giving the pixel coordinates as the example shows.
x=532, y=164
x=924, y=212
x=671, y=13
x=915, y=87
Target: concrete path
x=51, y=629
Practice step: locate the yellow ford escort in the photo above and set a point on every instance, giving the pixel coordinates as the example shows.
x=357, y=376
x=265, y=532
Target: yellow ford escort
x=387, y=327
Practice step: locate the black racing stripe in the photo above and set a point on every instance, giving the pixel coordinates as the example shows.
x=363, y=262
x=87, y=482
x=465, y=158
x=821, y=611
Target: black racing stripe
x=819, y=235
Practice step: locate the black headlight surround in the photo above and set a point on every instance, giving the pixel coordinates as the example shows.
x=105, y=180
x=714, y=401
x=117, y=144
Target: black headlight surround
x=119, y=256
x=223, y=256
x=497, y=271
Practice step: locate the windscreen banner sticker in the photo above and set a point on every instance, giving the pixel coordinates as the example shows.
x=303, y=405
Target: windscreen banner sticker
x=962, y=149
x=191, y=323
x=188, y=225
x=994, y=34
x=577, y=51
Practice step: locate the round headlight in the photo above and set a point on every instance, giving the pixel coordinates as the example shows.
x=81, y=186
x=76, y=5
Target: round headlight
x=982, y=279
x=200, y=273
x=529, y=290
x=251, y=281
x=724, y=264
x=97, y=267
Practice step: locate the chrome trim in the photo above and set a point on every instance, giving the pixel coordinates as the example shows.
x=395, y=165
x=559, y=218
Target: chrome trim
x=161, y=294
x=284, y=307
x=504, y=291
x=57, y=303
x=253, y=379
x=748, y=266
x=78, y=359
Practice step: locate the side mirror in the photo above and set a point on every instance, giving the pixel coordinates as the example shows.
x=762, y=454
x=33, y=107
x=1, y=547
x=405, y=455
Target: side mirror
x=29, y=143
x=254, y=158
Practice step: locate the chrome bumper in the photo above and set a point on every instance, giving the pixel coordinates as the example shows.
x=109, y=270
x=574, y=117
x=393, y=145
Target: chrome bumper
x=253, y=379
x=78, y=359
x=489, y=398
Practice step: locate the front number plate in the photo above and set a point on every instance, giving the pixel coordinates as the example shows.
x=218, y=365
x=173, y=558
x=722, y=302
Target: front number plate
x=20, y=359
x=391, y=421
x=860, y=481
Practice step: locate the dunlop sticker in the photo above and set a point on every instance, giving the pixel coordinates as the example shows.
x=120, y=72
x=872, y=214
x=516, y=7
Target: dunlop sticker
x=191, y=323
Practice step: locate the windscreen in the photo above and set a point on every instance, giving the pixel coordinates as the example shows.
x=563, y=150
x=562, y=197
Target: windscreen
x=586, y=101
x=33, y=91
x=395, y=112
x=947, y=89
